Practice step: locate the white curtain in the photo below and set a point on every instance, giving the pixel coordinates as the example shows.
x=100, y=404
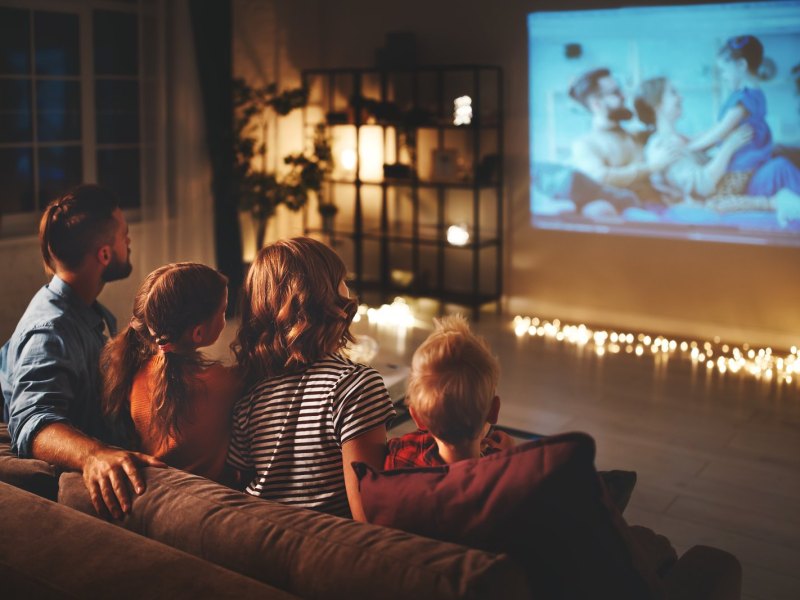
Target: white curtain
x=177, y=204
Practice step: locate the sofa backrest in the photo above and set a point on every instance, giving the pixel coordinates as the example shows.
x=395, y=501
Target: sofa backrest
x=304, y=552
x=51, y=551
x=35, y=476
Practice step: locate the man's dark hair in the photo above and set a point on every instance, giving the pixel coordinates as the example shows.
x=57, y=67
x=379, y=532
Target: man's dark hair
x=586, y=85
x=75, y=224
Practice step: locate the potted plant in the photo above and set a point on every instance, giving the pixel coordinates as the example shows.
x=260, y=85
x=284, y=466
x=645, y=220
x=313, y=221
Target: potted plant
x=261, y=192
x=309, y=171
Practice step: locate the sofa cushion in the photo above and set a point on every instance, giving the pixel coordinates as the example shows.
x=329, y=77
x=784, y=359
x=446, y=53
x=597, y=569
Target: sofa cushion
x=51, y=551
x=307, y=553
x=35, y=476
x=542, y=502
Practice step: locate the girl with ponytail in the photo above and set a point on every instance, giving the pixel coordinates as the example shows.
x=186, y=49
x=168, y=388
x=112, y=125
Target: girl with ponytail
x=174, y=403
x=754, y=169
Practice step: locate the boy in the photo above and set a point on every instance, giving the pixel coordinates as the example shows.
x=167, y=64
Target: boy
x=452, y=400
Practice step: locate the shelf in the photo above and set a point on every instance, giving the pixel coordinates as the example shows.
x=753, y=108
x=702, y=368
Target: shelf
x=422, y=183
x=376, y=243
x=428, y=236
x=448, y=296
x=487, y=123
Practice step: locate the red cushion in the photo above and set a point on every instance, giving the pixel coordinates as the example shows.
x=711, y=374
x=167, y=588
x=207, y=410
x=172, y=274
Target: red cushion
x=542, y=502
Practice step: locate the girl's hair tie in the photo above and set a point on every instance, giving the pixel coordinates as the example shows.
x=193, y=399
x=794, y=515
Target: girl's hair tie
x=739, y=42
x=165, y=347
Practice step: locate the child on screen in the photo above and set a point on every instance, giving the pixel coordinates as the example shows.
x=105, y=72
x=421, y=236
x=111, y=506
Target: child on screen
x=753, y=169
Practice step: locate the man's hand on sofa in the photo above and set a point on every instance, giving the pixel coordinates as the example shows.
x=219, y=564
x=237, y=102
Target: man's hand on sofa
x=107, y=472
x=110, y=473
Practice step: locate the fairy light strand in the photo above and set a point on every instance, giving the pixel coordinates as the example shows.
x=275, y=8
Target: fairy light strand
x=761, y=363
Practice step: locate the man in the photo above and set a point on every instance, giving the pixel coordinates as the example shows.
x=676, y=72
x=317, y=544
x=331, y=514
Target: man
x=609, y=154
x=49, y=369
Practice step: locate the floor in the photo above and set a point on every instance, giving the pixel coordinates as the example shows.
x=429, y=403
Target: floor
x=717, y=457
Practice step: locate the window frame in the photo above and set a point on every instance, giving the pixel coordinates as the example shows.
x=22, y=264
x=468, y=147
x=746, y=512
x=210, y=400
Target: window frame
x=24, y=224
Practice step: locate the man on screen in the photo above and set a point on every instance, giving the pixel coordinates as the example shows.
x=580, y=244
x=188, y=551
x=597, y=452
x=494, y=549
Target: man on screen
x=608, y=153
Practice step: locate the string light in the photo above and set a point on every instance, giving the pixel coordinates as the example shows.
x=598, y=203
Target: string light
x=762, y=363
x=396, y=314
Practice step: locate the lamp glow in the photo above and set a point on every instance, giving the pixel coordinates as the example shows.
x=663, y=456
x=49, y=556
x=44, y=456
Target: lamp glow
x=457, y=235
x=348, y=160
x=462, y=110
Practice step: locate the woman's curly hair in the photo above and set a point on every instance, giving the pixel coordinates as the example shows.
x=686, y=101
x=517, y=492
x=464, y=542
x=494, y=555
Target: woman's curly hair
x=292, y=313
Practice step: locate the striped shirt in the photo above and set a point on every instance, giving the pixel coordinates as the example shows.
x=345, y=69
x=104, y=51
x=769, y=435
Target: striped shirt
x=291, y=428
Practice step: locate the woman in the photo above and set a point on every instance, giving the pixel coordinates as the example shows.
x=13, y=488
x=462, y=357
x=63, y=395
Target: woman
x=659, y=106
x=308, y=412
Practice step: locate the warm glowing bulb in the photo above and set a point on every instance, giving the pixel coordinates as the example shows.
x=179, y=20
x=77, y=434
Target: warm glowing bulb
x=348, y=159
x=462, y=110
x=457, y=235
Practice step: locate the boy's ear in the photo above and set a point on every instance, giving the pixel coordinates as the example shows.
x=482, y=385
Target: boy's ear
x=415, y=418
x=494, y=411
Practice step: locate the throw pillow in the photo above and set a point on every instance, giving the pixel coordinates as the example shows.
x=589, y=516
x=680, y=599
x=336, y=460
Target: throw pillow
x=542, y=502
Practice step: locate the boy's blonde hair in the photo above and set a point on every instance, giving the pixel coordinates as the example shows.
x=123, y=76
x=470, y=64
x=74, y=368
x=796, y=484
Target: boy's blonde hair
x=453, y=381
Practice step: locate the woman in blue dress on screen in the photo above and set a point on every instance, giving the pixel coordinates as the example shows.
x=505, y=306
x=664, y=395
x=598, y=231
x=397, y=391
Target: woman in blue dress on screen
x=752, y=169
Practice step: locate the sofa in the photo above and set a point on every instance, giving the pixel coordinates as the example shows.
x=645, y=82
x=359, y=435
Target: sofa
x=185, y=534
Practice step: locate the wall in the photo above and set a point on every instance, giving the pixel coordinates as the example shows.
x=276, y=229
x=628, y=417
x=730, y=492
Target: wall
x=742, y=293
x=23, y=275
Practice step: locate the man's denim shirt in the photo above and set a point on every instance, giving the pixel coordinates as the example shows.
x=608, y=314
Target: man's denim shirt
x=50, y=368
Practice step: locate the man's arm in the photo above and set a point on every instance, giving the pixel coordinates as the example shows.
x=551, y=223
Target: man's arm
x=588, y=159
x=42, y=391
x=106, y=471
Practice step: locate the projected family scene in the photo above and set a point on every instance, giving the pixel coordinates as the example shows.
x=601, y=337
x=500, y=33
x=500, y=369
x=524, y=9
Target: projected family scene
x=676, y=121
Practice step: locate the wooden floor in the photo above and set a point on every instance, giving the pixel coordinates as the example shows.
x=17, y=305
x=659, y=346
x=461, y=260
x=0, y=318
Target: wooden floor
x=717, y=457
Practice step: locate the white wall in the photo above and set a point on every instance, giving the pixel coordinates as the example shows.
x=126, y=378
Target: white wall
x=23, y=275
x=742, y=293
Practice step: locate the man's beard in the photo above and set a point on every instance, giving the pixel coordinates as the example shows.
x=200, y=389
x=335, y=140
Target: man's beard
x=116, y=270
x=620, y=114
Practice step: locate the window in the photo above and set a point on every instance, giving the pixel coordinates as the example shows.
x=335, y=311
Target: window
x=69, y=103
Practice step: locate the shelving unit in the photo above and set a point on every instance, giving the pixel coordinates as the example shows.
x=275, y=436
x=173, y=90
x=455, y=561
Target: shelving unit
x=392, y=231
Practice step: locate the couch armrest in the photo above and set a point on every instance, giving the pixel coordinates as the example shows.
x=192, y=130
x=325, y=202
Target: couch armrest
x=705, y=573
x=51, y=551
x=35, y=476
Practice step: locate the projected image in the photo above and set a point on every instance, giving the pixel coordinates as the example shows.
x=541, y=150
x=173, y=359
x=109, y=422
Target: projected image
x=670, y=121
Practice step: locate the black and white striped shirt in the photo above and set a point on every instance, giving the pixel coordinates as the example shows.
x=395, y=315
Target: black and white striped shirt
x=291, y=428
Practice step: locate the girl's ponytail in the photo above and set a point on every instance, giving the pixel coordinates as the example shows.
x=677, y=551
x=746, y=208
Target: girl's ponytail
x=172, y=373
x=120, y=360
